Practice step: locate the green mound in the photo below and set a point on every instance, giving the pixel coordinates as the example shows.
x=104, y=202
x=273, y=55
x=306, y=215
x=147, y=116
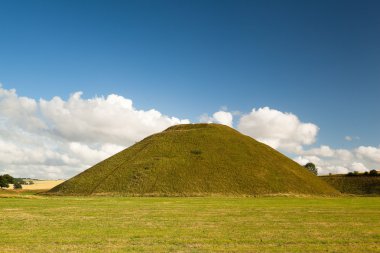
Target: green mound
x=360, y=185
x=196, y=159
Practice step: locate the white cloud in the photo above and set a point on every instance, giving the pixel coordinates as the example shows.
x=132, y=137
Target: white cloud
x=351, y=138
x=285, y=132
x=58, y=138
x=279, y=130
x=19, y=110
x=357, y=166
x=371, y=153
x=324, y=151
x=334, y=169
x=112, y=119
x=223, y=117
x=220, y=117
x=348, y=138
x=306, y=159
x=88, y=155
x=342, y=161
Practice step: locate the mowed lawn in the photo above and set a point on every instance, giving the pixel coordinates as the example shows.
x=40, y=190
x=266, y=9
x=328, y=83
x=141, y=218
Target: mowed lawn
x=199, y=224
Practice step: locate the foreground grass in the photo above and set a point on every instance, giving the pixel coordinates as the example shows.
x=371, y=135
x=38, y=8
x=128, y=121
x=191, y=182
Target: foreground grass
x=210, y=224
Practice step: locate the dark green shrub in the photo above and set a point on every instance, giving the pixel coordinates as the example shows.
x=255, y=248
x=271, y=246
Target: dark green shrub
x=196, y=152
x=9, y=178
x=3, y=182
x=311, y=167
x=17, y=185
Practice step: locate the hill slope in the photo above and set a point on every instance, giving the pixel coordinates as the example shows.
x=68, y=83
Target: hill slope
x=354, y=185
x=196, y=159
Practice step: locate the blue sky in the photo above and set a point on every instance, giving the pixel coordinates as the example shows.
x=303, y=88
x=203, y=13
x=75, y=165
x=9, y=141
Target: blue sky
x=319, y=60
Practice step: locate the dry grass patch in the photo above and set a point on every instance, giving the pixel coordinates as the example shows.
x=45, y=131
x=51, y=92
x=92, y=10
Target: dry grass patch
x=40, y=184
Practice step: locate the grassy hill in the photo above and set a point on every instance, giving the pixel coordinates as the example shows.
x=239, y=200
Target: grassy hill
x=354, y=185
x=196, y=159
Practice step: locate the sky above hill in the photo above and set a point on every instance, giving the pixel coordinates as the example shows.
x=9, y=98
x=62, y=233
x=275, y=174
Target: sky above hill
x=83, y=79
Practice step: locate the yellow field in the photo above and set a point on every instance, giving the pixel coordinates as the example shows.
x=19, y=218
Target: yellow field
x=40, y=184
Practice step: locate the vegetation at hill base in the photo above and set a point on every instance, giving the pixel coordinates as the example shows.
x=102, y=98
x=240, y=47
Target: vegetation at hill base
x=360, y=184
x=193, y=160
x=372, y=173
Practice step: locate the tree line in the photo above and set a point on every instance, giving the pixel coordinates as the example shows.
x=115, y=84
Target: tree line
x=372, y=173
x=6, y=180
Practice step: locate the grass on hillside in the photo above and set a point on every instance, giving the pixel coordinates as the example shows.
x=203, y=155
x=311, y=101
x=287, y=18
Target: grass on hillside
x=207, y=224
x=360, y=185
x=193, y=160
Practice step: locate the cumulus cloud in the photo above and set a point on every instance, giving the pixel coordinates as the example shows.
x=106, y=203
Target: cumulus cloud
x=279, y=130
x=220, y=117
x=324, y=151
x=340, y=161
x=371, y=153
x=58, y=138
x=357, y=166
x=285, y=132
x=224, y=118
x=19, y=110
x=111, y=119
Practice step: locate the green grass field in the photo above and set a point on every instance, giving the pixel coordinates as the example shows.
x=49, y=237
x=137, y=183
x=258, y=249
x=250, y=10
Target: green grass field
x=31, y=223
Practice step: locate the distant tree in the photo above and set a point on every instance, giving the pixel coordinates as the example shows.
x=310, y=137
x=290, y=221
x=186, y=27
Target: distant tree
x=17, y=185
x=350, y=174
x=356, y=173
x=9, y=178
x=373, y=173
x=365, y=173
x=311, y=167
x=31, y=182
x=20, y=180
x=3, y=182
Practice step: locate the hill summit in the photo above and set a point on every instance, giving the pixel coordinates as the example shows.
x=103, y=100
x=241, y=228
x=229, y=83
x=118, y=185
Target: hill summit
x=192, y=160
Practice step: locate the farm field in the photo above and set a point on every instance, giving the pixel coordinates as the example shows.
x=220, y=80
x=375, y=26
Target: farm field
x=33, y=223
x=40, y=184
